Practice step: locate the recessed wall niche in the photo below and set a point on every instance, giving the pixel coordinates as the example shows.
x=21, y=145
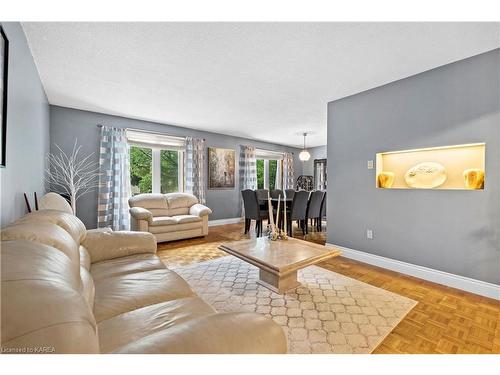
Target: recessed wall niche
x=459, y=167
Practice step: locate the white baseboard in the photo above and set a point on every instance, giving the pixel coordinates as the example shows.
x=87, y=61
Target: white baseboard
x=233, y=220
x=460, y=282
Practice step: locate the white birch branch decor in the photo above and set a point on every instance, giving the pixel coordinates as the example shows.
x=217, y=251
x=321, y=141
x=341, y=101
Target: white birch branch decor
x=73, y=175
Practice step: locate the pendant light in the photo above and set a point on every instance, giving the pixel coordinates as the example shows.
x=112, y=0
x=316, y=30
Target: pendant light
x=304, y=154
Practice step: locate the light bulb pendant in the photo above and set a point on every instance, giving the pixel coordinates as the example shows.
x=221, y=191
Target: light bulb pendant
x=304, y=154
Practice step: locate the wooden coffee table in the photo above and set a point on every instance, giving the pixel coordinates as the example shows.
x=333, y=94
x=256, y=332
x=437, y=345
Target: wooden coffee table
x=279, y=261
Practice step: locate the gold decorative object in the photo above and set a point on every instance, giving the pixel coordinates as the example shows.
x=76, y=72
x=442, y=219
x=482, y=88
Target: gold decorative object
x=283, y=235
x=474, y=178
x=385, y=179
x=272, y=232
x=426, y=175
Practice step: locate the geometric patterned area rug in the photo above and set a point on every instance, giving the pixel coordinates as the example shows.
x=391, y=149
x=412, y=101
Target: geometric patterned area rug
x=328, y=313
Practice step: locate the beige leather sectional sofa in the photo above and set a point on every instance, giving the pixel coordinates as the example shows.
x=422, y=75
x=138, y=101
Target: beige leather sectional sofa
x=68, y=290
x=169, y=217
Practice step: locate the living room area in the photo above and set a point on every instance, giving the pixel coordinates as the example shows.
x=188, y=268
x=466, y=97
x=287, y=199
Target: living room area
x=250, y=188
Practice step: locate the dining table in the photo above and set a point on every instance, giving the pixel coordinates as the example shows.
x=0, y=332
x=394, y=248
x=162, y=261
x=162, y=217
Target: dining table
x=264, y=204
x=275, y=200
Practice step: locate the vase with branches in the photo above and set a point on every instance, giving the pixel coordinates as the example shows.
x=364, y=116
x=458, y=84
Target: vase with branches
x=72, y=175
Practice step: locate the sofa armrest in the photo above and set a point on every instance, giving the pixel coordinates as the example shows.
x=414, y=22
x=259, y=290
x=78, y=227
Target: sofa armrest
x=103, y=245
x=140, y=213
x=222, y=333
x=199, y=210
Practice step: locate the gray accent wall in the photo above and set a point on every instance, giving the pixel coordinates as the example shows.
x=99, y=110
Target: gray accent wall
x=452, y=231
x=68, y=124
x=318, y=152
x=27, y=128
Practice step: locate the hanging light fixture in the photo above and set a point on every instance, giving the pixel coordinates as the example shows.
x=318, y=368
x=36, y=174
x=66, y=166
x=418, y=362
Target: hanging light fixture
x=304, y=154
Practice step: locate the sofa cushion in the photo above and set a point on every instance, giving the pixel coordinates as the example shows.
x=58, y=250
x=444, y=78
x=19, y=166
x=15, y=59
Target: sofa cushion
x=88, y=289
x=54, y=201
x=222, y=333
x=119, y=294
x=148, y=201
x=110, y=245
x=175, y=228
x=183, y=219
x=125, y=265
x=84, y=258
x=42, y=305
x=172, y=220
x=45, y=233
x=134, y=325
x=177, y=211
x=162, y=220
x=179, y=200
x=69, y=222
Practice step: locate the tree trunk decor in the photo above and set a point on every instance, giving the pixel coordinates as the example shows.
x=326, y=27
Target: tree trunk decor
x=72, y=175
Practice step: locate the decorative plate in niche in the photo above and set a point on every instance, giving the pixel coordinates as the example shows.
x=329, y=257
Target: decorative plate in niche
x=426, y=175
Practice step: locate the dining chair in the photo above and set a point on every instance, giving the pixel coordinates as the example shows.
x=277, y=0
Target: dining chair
x=253, y=211
x=289, y=193
x=298, y=211
x=262, y=195
x=314, y=208
x=323, y=211
x=275, y=193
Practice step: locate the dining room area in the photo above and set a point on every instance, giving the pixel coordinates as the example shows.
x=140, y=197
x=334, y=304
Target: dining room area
x=286, y=212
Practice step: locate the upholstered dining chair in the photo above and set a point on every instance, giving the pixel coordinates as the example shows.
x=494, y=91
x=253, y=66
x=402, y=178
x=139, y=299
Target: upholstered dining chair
x=276, y=193
x=314, y=207
x=289, y=193
x=323, y=208
x=298, y=211
x=253, y=211
x=262, y=195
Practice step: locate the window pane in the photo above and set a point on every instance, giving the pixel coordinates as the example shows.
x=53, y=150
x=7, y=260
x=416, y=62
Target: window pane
x=140, y=170
x=169, y=171
x=273, y=164
x=260, y=174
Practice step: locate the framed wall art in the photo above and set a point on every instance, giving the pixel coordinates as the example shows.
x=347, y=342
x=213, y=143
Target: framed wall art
x=221, y=168
x=4, y=69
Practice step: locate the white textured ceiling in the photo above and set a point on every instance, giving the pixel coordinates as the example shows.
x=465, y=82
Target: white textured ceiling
x=266, y=81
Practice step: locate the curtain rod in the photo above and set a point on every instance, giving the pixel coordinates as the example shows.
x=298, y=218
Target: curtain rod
x=274, y=152
x=176, y=136
x=150, y=131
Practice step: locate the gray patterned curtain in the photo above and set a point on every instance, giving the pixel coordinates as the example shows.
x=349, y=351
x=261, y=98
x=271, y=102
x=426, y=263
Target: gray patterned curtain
x=248, y=168
x=248, y=171
x=195, y=168
x=279, y=175
x=288, y=171
x=114, y=180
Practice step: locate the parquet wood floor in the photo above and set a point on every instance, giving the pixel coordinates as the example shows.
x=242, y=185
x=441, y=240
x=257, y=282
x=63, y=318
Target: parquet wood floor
x=445, y=320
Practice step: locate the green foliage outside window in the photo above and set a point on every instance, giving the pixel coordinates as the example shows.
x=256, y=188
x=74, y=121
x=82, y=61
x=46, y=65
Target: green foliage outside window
x=273, y=164
x=169, y=171
x=260, y=174
x=140, y=170
x=141, y=178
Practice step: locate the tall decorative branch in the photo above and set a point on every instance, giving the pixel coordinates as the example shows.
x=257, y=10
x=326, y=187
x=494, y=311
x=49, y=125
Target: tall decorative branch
x=73, y=175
